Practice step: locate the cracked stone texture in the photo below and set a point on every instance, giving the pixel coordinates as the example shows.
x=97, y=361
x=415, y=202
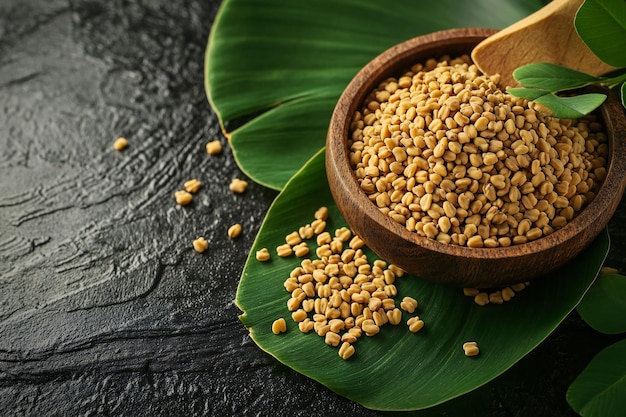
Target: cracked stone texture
x=105, y=309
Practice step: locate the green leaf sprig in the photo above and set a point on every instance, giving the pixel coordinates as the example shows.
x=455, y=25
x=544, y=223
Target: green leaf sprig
x=601, y=24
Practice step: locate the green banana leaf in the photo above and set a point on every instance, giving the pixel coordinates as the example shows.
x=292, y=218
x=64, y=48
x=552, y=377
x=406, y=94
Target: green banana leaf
x=396, y=369
x=279, y=66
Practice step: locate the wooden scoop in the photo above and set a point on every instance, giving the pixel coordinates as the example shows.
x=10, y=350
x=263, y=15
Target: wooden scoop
x=547, y=35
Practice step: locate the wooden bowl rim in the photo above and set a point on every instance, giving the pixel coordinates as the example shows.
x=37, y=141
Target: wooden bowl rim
x=370, y=75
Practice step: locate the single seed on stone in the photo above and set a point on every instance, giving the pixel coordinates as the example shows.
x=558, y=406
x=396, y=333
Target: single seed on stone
x=182, y=197
x=120, y=144
x=192, y=186
x=200, y=244
x=238, y=186
x=214, y=147
x=234, y=230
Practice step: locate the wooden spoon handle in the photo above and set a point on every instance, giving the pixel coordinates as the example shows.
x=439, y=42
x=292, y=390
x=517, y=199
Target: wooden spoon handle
x=547, y=35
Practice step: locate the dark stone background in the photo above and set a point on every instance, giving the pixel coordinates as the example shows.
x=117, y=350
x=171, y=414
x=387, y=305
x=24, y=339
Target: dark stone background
x=105, y=309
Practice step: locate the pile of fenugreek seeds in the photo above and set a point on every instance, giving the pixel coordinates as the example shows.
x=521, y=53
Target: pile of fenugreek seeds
x=341, y=296
x=444, y=152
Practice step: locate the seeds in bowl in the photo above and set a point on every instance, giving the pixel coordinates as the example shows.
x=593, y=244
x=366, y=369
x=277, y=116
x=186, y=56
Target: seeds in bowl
x=447, y=154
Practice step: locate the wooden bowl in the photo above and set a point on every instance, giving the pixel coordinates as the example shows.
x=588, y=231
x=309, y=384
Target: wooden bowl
x=448, y=263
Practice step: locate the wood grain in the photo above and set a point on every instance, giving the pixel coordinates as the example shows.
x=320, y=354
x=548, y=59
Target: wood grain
x=452, y=264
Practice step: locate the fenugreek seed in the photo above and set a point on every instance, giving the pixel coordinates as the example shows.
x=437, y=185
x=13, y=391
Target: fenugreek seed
x=507, y=293
x=470, y=292
x=306, y=232
x=408, y=304
x=323, y=238
x=356, y=243
x=475, y=241
x=482, y=299
x=380, y=318
x=238, y=186
x=394, y=316
x=120, y=144
x=293, y=303
x=321, y=213
x=263, y=255
x=214, y=147
x=308, y=305
x=332, y=339
x=298, y=315
x=309, y=289
x=301, y=249
x=182, y=197
x=346, y=350
x=318, y=226
x=291, y=284
x=234, y=230
x=306, y=325
x=192, y=186
x=496, y=297
x=284, y=250
x=369, y=327
x=518, y=287
x=293, y=238
x=348, y=337
x=279, y=326
x=470, y=348
x=200, y=244
x=374, y=303
x=322, y=329
x=415, y=324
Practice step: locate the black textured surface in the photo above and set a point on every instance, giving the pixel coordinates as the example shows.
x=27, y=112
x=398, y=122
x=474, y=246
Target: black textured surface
x=105, y=309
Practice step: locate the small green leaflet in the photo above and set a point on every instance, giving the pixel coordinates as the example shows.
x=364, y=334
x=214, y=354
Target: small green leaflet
x=562, y=107
x=543, y=80
x=552, y=77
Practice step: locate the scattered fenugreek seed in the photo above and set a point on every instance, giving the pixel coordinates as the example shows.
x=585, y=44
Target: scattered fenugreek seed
x=346, y=350
x=279, y=326
x=284, y=250
x=415, y=324
x=238, y=186
x=471, y=348
x=341, y=295
x=408, y=304
x=200, y=244
x=192, y=186
x=301, y=249
x=182, y=197
x=120, y=144
x=263, y=255
x=214, y=147
x=234, y=230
